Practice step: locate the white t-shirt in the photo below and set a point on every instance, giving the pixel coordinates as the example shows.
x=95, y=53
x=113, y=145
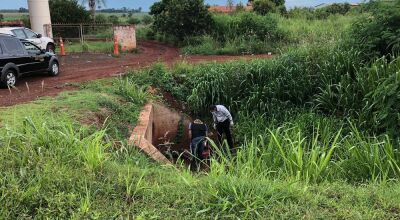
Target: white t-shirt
x=221, y=114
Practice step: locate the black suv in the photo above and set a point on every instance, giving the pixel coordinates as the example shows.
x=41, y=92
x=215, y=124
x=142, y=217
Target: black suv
x=18, y=57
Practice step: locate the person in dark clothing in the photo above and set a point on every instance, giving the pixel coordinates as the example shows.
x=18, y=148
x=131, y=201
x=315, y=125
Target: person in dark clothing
x=223, y=123
x=197, y=134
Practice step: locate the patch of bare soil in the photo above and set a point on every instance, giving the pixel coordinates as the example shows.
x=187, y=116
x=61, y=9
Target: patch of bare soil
x=76, y=68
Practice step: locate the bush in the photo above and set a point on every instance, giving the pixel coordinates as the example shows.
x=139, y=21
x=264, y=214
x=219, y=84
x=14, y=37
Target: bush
x=26, y=20
x=246, y=25
x=264, y=7
x=133, y=20
x=377, y=34
x=181, y=18
x=1, y=17
x=336, y=8
x=242, y=33
x=302, y=13
x=101, y=18
x=113, y=19
x=147, y=19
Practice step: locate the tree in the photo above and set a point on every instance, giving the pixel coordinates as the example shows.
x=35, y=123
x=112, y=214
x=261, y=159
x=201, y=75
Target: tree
x=240, y=7
x=1, y=17
x=92, y=6
x=147, y=19
x=264, y=7
x=181, y=18
x=230, y=4
x=23, y=10
x=68, y=12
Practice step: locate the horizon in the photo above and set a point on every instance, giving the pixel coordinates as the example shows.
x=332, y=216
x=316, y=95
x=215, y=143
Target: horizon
x=145, y=4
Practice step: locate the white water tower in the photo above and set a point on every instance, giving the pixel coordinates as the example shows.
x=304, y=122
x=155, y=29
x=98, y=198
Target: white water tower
x=39, y=14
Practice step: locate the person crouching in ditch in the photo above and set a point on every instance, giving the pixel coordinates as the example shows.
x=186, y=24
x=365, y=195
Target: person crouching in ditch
x=197, y=134
x=223, y=123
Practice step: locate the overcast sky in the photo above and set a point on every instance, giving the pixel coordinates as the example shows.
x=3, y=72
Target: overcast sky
x=145, y=4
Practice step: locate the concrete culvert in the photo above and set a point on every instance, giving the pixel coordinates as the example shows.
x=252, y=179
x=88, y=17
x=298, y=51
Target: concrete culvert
x=162, y=133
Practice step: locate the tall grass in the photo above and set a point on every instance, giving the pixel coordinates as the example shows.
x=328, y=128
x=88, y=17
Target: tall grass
x=54, y=167
x=288, y=152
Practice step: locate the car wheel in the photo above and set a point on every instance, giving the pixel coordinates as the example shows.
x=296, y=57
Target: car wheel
x=9, y=79
x=54, y=69
x=50, y=48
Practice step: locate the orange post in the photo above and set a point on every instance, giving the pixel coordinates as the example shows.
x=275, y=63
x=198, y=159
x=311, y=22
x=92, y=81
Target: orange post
x=116, y=47
x=62, y=48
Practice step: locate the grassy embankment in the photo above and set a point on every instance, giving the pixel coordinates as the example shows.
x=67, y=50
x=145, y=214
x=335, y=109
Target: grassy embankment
x=54, y=166
x=67, y=158
x=306, y=123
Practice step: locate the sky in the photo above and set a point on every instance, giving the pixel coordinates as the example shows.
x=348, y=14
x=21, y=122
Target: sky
x=145, y=4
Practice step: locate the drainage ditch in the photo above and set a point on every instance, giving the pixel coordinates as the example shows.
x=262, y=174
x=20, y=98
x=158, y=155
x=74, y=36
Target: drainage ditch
x=162, y=133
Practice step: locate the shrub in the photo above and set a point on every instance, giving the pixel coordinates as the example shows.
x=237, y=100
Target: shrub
x=377, y=34
x=113, y=19
x=246, y=25
x=26, y=20
x=305, y=13
x=147, y=19
x=264, y=7
x=181, y=18
x=101, y=18
x=240, y=7
x=134, y=20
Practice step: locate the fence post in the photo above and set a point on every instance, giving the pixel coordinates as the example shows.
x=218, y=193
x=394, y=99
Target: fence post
x=81, y=32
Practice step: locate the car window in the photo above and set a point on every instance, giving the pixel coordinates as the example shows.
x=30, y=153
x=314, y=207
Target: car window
x=32, y=49
x=13, y=46
x=30, y=34
x=19, y=33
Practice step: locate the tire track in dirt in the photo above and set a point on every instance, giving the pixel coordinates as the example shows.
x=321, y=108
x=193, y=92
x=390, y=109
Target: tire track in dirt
x=77, y=68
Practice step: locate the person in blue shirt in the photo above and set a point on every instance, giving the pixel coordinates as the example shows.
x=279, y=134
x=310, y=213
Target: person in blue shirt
x=223, y=123
x=197, y=134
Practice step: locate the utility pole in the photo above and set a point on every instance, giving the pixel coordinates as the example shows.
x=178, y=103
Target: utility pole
x=39, y=14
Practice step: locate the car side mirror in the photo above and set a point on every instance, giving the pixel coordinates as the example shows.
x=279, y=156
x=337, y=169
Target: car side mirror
x=43, y=51
x=39, y=36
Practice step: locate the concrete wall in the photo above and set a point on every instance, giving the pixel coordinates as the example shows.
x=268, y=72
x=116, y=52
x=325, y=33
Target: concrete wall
x=155, y=121
x=166, y=121
x=142, y=135
x=126, y=36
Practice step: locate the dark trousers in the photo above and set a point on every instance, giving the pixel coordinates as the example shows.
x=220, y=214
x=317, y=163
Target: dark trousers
x=197, y=148
x=224, y=127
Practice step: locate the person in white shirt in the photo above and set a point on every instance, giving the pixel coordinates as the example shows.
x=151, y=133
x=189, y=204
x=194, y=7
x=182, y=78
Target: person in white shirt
x=223, y=123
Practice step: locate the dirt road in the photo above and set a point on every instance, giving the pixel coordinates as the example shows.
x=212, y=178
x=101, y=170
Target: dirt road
x=85, y=67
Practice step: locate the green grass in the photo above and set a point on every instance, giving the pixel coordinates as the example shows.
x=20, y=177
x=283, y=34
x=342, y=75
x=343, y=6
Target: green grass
x=126, y=18
x=56, y=165
x=291, y=32
x=14, y=16
x=314, y=129
x=92, y=47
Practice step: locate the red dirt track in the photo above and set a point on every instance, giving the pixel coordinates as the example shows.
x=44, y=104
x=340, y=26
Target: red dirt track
x=85, y=67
